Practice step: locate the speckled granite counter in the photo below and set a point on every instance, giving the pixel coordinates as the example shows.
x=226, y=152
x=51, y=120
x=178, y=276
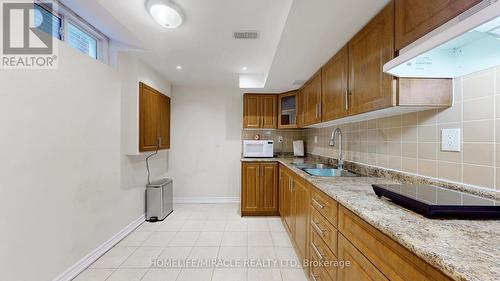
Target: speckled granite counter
x=463, y=249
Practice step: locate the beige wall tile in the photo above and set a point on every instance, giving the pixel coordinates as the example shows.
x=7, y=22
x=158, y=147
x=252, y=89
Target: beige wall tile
x=427, y=168
x=479, y=131
x=478, y=84
x=394, y=134
x=451, y=114
x=394, y=149
x=409, y=134
x=497, y=156
x=497, y=103
x=479, y=109
x=372, y=124
x=498, y=178
x=410, y=165
x=449, y=197
x=427, y=133
x=382, y=160
x=410, y=149
x=457, y=90
x=449, y=156
x=427, y=151
x=479, y=175
x=409, y=119
x=497, y=130
x=469, y=199
x=479, y=153
x=427, y=117
x=450, y=171
x=395, y=163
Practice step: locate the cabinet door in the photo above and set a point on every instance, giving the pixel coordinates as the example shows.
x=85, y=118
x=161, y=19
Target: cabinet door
x=269, y=187
x=369, y=50
x=288, y=202
x=250, y=186
x=301, y=215
x=301, y=108
x=251, y=111
x=269, y=111
x=287, y=110
x=361, y=269
x=312, y=99
x=164, y=122
x=334, y=93
x=281, y=192
x=414, y=19
x=148, y=118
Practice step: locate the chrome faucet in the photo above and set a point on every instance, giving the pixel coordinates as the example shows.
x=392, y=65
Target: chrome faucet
x=340, y=161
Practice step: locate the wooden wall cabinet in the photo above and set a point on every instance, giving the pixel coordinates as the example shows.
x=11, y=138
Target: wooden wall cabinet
x=154, y=119
x=312, y=100
x=414, y=19
x=259, y=188
x=260, y=111
x=334, y=87
x=288, y=110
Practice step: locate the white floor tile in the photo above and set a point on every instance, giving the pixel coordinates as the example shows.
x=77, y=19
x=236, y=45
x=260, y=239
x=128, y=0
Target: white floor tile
x=143, y=257
x=276, y=226
x=195, y=274
x=287, y=257
x=127, y=274
x=184, y=239
x=236, y=225
x=209, y=239
x=263, y=253
x=257, y=225
x=170, y=225
x=94, y=274
x=193, y=225
x=135, y=239
x=161, y=274
x=216, y=225
x=114, y=257
x=159, y=239
x=293, y=274
x=234, y=239
x=259, y=239
x=232, y=253
x=200, y=253
x=280, y=239
x=174, y=256
x=264, y=274
x=230, y=274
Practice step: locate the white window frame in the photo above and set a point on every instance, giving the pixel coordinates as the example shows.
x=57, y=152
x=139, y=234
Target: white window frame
x=67, y=16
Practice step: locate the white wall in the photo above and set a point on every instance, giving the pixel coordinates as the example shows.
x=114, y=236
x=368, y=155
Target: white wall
x=66, y=185
x=206, y=143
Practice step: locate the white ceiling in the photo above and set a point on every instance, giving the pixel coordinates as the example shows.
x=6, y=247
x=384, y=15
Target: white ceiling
x=296, y=37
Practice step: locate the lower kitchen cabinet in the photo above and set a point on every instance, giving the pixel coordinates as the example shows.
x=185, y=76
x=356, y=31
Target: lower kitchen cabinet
x=259, y=188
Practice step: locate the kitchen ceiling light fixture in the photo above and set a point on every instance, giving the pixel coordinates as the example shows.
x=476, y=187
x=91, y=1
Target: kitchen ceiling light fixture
x=178, y=67
x=244, y=68
x=165, y=12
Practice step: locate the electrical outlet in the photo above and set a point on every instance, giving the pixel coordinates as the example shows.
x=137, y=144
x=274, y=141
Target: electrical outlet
x=450, y=139
x=315, y=139
x=280, y=139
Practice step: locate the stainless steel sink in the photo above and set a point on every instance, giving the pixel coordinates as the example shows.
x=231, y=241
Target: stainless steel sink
x=329, y=172
x=312, y=166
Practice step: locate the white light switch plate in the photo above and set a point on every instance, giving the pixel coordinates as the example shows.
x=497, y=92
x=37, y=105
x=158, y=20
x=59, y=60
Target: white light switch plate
x=450, y=139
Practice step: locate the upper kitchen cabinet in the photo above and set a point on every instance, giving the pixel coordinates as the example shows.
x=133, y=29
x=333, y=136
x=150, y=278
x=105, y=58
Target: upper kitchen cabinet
x=288, y=110
x=260, y=111
x=312, y=100
x=414, y=19
x=370, y=88
x=154, y=119
x=334, y=87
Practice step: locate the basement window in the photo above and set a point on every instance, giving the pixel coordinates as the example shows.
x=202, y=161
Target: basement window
x=65, y=25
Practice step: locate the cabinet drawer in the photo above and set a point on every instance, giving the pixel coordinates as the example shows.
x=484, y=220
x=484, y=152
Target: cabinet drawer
x=321, y=253
x=392, y=259
x=325, y=206
x=325, y=230
x=318, y=273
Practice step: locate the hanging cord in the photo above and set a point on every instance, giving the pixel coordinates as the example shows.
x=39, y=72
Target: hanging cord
x=151, y=155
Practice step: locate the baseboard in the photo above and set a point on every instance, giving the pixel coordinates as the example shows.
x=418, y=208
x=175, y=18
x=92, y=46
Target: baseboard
x=86, y=261
x=206, y=200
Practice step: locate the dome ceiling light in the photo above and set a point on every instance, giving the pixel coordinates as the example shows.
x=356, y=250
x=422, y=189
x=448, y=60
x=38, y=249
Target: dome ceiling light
x=165, y=12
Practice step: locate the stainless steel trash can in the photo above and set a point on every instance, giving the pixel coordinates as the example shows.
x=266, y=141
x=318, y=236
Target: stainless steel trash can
x=159, y=196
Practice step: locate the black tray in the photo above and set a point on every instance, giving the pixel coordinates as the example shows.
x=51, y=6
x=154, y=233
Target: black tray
x=431, y=210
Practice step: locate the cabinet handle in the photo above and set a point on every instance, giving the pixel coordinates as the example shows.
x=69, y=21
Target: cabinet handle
x=316, y=251
x=346, y=100
x=317, y=203
x=314, y=277
x=318, y=229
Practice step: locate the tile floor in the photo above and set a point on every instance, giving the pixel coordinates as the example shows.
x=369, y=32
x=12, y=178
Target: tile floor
x=201, y=242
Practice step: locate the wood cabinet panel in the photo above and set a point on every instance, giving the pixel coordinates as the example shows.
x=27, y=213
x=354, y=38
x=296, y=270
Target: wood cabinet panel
x=288, y=110
x=289, y=203
x=301, y=233
x=269, y=111
x=250, y=186
x=425, y=92
x=360, y=269
x=301, y=108
x=312, y=100
x=334, y=93
x=414, y=19
x=269, y=187
x=324, y=230
x=325, y=206
x=260, y=111
x=154, y=119
x=393, y=260
x=320, y=252
x=251, y=111
x=370, y=88
x=259, y=188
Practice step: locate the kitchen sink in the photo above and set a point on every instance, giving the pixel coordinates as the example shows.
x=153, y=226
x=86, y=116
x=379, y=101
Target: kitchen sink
x=329, y=172
x=312, y=166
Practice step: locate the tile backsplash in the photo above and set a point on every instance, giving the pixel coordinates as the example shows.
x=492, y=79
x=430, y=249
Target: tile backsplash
x=412, y=142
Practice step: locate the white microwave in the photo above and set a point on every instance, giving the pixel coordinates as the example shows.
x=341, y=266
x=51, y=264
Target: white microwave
x=258, y=148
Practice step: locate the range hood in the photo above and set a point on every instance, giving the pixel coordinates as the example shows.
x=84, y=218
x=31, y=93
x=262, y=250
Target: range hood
x=466, y=44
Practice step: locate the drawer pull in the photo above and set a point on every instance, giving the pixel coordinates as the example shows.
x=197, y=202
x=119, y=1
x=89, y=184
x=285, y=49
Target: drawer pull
x=314, y=277
x=318, y=204
x=317, y=252
x=318, y=229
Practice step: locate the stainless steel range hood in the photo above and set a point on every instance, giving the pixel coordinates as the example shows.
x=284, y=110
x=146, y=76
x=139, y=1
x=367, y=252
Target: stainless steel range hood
x=466, y=44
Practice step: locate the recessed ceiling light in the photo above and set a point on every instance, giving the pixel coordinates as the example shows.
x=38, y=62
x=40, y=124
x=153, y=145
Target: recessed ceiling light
x=165, y=12
x=244, y=68
x=179, y=67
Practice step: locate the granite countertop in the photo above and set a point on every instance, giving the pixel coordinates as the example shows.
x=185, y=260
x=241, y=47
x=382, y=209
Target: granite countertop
x=463, y=249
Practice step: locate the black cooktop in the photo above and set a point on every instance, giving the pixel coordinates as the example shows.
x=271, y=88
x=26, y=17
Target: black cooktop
x=435, y=202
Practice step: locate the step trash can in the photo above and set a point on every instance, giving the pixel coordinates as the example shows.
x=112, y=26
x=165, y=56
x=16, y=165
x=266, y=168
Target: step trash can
x=159, y=199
